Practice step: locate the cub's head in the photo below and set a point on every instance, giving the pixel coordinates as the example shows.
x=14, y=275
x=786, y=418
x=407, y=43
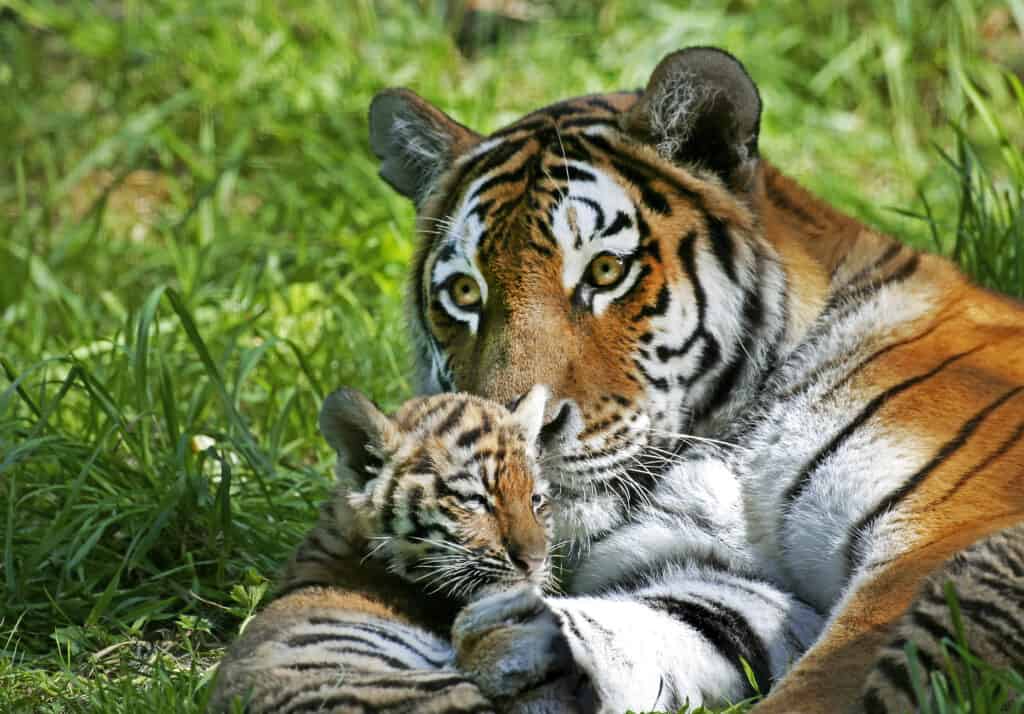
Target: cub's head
x=605, y=246
x=446, y=490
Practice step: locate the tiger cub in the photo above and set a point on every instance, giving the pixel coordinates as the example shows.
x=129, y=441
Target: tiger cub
x=435, y=505
x=988, y=579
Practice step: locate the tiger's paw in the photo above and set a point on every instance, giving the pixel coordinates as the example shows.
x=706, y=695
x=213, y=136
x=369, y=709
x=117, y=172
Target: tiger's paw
x=511, y=644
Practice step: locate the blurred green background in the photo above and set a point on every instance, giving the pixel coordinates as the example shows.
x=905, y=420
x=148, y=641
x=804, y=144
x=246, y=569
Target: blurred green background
x=195, y=246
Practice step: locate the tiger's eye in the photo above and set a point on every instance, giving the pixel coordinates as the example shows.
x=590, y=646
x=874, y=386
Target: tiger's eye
x=606, y=270
x=464, y=291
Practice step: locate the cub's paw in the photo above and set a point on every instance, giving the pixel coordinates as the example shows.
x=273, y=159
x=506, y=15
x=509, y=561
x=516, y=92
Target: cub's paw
x=512, y=645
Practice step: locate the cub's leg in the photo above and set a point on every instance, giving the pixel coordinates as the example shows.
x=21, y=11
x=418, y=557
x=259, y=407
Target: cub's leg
x=989, y=582
x=327, y=650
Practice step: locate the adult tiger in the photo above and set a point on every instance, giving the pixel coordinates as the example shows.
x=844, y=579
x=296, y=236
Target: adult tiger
x=766, y=388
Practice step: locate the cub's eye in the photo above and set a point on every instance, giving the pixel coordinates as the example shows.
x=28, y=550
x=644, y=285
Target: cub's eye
x=606, y=270
x=477, y=503
x=464, y=291
x=538, y=500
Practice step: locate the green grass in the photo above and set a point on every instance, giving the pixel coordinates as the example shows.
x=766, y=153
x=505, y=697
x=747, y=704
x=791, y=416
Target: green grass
x=194, y=244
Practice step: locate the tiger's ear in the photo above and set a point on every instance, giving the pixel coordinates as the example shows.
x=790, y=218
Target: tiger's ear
x=701, y=107
x=357, y=430
x=415, y=141
x=528, y=410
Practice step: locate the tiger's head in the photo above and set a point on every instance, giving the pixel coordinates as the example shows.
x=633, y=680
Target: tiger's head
x=607, y=246
x=445, y=491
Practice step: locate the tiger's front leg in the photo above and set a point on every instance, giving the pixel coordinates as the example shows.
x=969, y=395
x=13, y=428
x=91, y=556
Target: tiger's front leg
x=331, y=651
x=681, y=637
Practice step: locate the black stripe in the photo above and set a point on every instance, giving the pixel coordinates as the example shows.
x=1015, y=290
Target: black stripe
x=659, y=383
x=573, y=173
x=514, y=176
x=784, y=203
x=527, y=123
x=891, y=252
x=600, y=103
x=660, y=307
x=665, y=353
x=1004, y=447
x=594, y=206
x=453, y=418
x=465, y=170
x=848, y=300
x=481, y=211
x=621, y=222
x=469, y=438
x=587, y=122
x=944, y=452
x=725, y=629
x=438, y=406
x=323, y=704
x=543, y=250
x=815, y=377
x=557, y=111
x=644, y=573
x=498, y=156
x=412, y=512
x=988, y=613
x=381, y=633
x=568, y=621
x=924, y=657
x=598, y=627
x=544, y=226
x=710, y=352
x=895, y=672
x=399, y=682
x=721, y=246
x=374, y=654
x=372, y=650
x=688, y=259
x=653, y=199
x=634, y=166
x=803, y=479
x=750, y=331
x=307, y=666
x=936, y=629
x=873, y=703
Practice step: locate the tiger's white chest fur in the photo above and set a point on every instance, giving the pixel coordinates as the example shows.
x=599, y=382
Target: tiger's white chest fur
x=784, y=500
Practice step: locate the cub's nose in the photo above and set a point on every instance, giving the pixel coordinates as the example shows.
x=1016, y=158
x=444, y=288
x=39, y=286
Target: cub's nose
x=527, y=560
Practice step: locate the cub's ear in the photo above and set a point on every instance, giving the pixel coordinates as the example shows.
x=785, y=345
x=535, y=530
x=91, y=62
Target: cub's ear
x=357, y=430
x=528, y=410
x=701, y=107
x=415, y=142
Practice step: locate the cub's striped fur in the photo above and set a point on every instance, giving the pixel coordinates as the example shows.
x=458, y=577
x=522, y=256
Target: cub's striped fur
x=767, y=390
x=989, y=582
x=434, y=505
